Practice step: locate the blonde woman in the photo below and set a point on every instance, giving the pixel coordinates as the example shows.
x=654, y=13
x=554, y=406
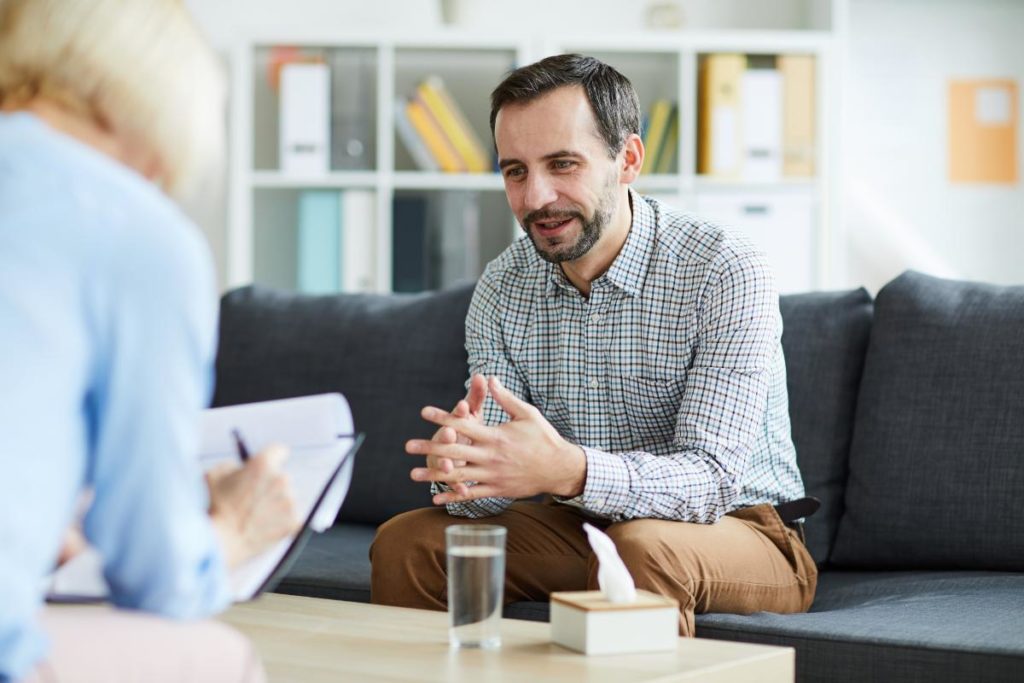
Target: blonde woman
x=107, y=335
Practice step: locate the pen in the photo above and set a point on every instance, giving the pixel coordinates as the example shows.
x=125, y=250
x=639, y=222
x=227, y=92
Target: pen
x=243, y=452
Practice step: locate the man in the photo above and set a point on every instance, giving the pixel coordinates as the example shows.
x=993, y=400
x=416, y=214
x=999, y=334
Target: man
x=626, y=361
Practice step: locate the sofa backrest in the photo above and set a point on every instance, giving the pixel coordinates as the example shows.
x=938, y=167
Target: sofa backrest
x=937, y=459
x=390, y=355
x=824, y=337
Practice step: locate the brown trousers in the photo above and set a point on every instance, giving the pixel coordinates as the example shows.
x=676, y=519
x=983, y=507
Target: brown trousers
x=748, y=561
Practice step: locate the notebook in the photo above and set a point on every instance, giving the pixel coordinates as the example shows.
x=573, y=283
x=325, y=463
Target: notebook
x=319, y=433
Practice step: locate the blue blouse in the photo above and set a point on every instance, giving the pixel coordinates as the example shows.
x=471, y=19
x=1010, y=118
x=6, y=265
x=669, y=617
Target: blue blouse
x=107, y=335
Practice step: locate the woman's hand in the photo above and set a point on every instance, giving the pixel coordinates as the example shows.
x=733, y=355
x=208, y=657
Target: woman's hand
x=252, y=506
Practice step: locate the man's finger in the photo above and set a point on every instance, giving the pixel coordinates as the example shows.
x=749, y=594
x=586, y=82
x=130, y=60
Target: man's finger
x=452, y=451
x=477, y=394
x=463, y=425
x=454, y=477
x=471, y=493
x=509, y=402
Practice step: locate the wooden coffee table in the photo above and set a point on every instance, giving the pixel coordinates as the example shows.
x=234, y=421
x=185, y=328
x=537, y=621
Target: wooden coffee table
x=311, y=639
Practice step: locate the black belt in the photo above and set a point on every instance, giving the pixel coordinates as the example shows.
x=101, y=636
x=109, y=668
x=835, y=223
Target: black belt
x=792, y=511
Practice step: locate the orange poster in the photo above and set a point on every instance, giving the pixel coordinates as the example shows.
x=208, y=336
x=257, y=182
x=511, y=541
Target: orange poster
x=983, y=118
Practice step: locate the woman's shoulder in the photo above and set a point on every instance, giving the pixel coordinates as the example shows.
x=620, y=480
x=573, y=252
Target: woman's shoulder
x=88, y=207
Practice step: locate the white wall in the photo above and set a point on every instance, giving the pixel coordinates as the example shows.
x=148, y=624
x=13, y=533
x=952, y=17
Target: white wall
x=223, y=19
x=901, y=210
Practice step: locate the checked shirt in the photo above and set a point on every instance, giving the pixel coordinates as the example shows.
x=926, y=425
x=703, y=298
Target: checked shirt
x=670, y=375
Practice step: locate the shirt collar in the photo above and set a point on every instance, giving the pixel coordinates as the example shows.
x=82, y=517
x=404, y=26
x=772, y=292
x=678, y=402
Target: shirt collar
x=629, y=269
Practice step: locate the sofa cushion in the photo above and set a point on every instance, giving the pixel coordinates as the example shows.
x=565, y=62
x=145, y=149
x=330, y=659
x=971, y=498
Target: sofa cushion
x=390, y=355
x=896, y=626
x=937, y=459
x=825, y=335
x=334, y=564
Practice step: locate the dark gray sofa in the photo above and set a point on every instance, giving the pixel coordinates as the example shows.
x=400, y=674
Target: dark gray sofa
x=908, y=418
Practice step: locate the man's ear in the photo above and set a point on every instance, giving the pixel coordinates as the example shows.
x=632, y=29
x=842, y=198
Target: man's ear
x=631, y=159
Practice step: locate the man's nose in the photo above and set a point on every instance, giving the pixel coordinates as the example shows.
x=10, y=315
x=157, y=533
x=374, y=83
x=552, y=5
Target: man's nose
x=540, y=191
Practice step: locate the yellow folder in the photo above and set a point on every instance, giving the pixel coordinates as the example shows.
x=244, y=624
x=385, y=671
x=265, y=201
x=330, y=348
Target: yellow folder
x=719, y=125
x=798, y=145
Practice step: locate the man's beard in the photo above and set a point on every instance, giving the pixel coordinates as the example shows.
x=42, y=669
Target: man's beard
x=590, y=229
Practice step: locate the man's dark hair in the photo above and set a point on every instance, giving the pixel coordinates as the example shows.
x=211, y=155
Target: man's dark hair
x=611, y=95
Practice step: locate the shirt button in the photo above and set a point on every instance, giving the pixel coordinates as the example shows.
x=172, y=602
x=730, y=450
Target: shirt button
x=594, y=384
x=595, y=318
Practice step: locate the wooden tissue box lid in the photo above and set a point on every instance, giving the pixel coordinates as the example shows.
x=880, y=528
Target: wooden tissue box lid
x=594, y=601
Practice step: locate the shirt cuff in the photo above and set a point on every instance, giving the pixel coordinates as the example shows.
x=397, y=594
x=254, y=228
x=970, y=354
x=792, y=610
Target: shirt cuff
x=606, y=490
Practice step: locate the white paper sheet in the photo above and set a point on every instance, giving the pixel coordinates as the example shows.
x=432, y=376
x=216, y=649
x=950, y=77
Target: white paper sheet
x=318, y=432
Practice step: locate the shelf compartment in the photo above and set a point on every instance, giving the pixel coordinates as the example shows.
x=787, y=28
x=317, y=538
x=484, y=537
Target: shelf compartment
x=442, y=238
x=314, y=240
x=353, y=97
x=468, y=74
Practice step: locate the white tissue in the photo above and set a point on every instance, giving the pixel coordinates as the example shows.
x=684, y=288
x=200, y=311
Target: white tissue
x=612, y=576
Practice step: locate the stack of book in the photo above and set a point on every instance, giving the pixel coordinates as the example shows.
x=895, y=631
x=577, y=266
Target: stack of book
x=661, y=138
x=756, y=117
x=436, y=133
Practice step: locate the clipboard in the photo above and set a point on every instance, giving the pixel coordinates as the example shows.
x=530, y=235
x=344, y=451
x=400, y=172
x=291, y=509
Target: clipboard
x=287, y=560
x=317, y=429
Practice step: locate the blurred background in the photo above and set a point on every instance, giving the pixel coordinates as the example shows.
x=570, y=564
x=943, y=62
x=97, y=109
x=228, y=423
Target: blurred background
x=851, y=139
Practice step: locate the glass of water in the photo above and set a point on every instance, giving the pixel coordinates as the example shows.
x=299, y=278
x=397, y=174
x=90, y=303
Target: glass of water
x=476, y=584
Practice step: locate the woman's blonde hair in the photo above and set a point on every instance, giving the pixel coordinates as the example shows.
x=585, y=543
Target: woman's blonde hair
x=140, y=68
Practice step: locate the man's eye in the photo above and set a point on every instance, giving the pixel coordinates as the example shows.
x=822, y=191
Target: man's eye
x=564, y=164
x=514, y=173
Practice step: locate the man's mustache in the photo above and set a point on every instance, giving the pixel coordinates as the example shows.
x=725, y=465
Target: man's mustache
x=550, y=214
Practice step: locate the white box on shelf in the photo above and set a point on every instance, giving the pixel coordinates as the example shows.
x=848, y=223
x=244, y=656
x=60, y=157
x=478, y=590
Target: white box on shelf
x=781, y=225
x=305, y=135
x=586, y=622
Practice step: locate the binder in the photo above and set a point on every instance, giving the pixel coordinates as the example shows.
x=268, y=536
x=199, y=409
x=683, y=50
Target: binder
x=456, y=128
x=410, y=265
x=761, y=107
x=433, y=137
x=798, y=125
x=358, y=249
x=318, y=430
x=719, y=124
x=305, y=136
x=319, y=225
x=454, y=237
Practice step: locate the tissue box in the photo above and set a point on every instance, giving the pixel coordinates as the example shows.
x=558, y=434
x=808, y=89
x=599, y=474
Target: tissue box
x=586, y=622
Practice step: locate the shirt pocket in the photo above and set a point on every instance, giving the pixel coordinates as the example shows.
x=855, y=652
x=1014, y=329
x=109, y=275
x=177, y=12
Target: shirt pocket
x=652, y=407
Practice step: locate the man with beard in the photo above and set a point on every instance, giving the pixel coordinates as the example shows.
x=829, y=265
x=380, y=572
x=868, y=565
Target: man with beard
x=626, y=362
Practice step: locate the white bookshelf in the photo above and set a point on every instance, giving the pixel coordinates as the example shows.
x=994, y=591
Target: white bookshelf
x=663, y=64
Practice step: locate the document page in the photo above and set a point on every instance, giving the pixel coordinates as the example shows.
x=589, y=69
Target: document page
x=318, y=432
